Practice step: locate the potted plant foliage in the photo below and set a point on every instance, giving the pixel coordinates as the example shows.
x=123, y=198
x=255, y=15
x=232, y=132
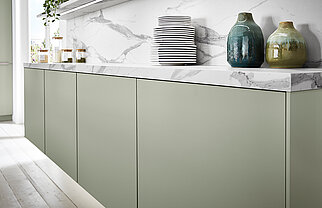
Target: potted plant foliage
x=50, y=10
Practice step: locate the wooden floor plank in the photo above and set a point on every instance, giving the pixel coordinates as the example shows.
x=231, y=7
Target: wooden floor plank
x=7, y=198
x=12, y=130
x=52, y=195
x=22, y=188
x=49, y=181
x=73, y=190
x=3, y=134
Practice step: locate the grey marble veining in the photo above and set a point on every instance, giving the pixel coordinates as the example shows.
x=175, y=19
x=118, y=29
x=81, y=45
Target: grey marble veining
x=285, y=80
x=123, y=33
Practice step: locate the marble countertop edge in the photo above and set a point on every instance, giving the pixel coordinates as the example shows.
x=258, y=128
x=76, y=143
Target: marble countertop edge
x=284, y=80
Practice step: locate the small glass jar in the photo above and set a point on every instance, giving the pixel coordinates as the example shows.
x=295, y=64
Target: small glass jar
x=80, y=55
x=67, y=55
x=43, y=55
x=57, y=46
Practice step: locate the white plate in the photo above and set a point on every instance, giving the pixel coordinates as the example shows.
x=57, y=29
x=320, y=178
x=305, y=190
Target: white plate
x=181, y=50
x=174, y=35
x=174, y=28
x=184, y=52
x=174, y=32
x=155, y=53
x=177, y=35
x=170, y=41
x=192, y=58
x=174, y=62
x=174, y=39
x=173, y=43
x=174, y=20
x=174, y=46
x=175, y=24
x=174, y=56
x=174, y=49
x=174, y=17
x=174, y=53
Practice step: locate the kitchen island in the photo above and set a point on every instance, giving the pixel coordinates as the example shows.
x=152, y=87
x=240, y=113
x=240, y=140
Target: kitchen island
x=181, y=136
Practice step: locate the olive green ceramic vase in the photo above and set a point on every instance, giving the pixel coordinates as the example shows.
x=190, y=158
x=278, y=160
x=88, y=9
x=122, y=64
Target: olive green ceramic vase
x=245, y=44
x=286, y=47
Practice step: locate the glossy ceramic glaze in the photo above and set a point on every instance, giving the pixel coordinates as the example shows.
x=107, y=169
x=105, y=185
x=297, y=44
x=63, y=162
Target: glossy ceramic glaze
x=286, y=47
x=245, y=44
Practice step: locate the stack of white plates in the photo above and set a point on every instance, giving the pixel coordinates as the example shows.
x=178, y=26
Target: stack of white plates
x=174, y=41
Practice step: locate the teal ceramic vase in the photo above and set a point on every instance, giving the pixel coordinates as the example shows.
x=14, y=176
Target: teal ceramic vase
x=245, y=44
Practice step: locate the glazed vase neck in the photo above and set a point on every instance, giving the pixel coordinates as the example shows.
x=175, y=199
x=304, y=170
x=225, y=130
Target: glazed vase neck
x=244, y=16
x=286, y=25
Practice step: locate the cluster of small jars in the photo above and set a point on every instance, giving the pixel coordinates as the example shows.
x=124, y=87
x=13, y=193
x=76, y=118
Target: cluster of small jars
x=62, y=55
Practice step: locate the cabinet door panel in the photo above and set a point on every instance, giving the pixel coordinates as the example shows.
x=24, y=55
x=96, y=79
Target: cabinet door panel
x=6, y=31
x=60, y=120
x=5, y=90
x=206, y=146
x=107, y=139
x=34, y=107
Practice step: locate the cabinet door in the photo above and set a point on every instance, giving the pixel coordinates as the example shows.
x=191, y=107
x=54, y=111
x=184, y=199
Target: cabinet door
x=107, y=138
x=34, y=107
x=305, y=148
x=6, y=31
x=206, y=146
x=5, y=90
x=60, y=120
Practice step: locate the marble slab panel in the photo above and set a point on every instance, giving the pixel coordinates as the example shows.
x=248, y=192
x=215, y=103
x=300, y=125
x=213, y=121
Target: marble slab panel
x=284, y=80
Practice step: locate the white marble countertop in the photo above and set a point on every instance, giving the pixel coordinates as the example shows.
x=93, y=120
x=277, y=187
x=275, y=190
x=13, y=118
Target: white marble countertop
x=285, y=80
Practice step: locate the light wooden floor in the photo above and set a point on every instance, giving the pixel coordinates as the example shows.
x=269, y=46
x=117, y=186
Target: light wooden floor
x=29, y=179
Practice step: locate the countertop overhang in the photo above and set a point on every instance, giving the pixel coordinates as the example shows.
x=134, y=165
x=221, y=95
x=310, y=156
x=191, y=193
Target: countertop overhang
x=284, y=80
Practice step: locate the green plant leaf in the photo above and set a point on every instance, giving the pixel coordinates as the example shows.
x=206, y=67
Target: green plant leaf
x=50, y=10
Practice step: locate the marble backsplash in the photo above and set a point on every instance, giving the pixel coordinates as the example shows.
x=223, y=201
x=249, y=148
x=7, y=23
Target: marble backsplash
x=123, y=33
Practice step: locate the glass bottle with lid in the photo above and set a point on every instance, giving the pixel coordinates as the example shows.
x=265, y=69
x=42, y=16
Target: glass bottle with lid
x=43, y=55
x=80, y=55
x=57, y=46
x=67, y=55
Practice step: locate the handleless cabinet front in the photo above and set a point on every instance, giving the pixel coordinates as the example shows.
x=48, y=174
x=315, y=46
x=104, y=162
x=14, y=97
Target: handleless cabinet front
x=60, y=120
x=5, y=90
x=107, y=138
x=206, y=146
x=35, y=107
x=6, y=60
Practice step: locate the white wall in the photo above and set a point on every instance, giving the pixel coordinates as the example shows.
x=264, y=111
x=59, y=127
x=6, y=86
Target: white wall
x=123, y=33
x=20, y=55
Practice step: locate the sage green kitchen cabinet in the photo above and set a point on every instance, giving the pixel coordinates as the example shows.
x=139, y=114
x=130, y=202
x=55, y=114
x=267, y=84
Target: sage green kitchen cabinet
x=6, y=31
x=107, y=138
x=208, y=146
x=35, y=107
x=6, y=79
x=60, y=120
x=5, y=91
x=304, y=142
